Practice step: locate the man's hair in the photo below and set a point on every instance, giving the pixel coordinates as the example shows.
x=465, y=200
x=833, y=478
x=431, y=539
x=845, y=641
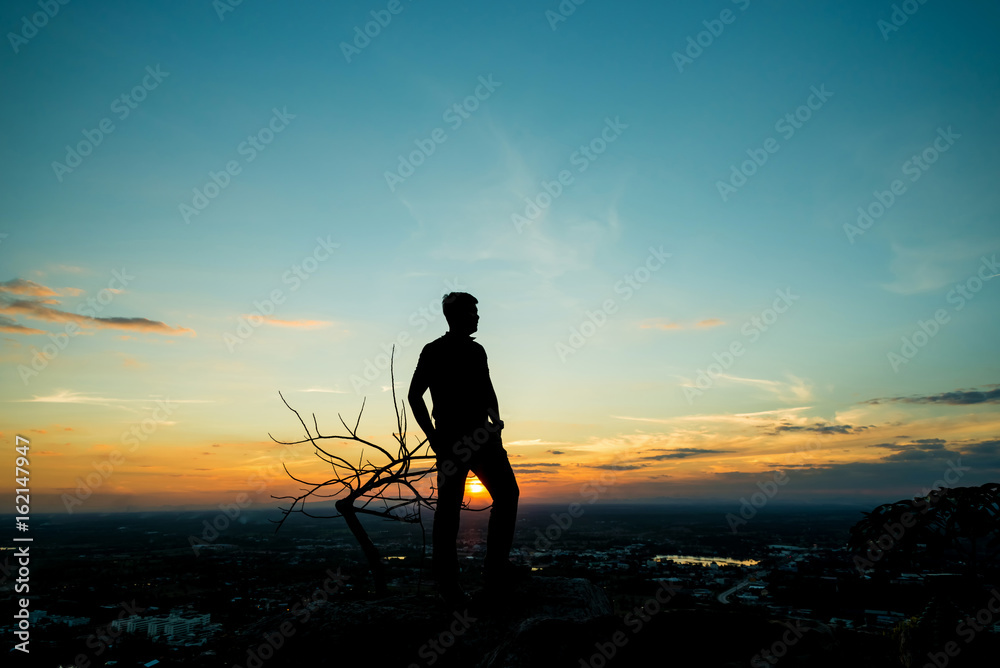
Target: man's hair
x=455, y=302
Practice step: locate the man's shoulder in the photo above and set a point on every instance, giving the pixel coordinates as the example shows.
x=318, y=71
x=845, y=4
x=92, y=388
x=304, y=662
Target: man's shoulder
x=434, y=347
x=449, y=342
x=439, y=342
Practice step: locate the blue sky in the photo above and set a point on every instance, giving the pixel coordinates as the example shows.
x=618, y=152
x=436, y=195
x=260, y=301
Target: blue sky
x=677, y=133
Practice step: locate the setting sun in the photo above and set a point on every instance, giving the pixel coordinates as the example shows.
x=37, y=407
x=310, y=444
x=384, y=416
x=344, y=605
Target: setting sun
x=474, y=486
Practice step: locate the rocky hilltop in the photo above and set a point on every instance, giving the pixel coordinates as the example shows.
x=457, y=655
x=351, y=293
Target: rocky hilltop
x=544, y=623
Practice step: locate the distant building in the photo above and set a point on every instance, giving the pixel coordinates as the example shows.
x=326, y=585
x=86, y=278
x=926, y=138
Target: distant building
x=883, y=619
x=38, y=616
x=174, y=628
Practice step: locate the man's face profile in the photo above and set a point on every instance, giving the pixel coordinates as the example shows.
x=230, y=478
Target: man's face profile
x=467, y=321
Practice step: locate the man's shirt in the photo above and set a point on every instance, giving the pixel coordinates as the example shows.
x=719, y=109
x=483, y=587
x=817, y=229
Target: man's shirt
x=454, y=368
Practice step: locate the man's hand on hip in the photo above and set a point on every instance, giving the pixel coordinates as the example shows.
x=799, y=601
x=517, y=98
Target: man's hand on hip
x=496, y=422
x=432, y=441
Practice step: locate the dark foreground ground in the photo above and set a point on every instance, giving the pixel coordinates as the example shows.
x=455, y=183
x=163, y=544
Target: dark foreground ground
x=599, y=595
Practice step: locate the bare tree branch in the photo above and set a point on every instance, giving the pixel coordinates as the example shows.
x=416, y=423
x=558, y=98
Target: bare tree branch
x=356, y=487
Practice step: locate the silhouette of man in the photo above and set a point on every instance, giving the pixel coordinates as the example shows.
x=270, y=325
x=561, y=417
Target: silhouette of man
x=465, y=436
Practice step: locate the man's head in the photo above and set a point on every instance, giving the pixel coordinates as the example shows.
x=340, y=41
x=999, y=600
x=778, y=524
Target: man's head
x=461, y=313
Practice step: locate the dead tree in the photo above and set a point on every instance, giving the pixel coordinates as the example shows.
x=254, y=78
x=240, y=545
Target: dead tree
x=386, y=488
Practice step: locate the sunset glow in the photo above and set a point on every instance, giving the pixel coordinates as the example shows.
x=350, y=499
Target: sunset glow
x=777, y=259
x=474, y=486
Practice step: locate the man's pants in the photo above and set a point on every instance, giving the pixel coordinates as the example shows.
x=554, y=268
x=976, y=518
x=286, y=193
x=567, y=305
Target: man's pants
x=488, y=460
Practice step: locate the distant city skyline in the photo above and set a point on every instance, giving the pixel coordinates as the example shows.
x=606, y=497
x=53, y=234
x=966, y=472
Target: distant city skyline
x=709, y=243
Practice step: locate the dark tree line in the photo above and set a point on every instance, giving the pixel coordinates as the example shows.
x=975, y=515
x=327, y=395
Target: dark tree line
x=959, y=521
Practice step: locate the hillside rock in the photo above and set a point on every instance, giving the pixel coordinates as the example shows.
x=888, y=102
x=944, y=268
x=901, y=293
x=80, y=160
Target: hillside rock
x=542, y=622
x=547, y=622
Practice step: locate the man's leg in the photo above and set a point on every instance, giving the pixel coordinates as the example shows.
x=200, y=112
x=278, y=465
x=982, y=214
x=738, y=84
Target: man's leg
x=493, y=470
x=450, y=491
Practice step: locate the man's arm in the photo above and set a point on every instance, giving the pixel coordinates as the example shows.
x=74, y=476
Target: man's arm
x=492, y=404
x=419, y=385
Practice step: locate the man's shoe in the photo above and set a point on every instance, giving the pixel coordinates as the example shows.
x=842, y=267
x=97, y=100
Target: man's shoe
x=506, y=575
x=453, y=595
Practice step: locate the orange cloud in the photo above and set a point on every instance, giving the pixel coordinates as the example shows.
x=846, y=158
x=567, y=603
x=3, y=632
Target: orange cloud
x=301, y=324
x=132, y=363
x=35, y=303
x=70, y=269
x=659, y=324
x=22, y=286
x=12, y=327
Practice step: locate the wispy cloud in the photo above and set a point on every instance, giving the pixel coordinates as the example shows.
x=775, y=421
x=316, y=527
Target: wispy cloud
x=821, y=428
x=615, y=467
x=35, y=301
x=540, y=247
x=954, y=398
x=22, y=286
x=299, y=324
x=763, y=418
x=932, y=267
x=660, y=323
x=920, y=450
x=645, y=419
x=793, y=389
x=684, y=453
x=73, y=397
x=11, y=326
x=536, y=441
x=70, y=269
x=775, y=411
